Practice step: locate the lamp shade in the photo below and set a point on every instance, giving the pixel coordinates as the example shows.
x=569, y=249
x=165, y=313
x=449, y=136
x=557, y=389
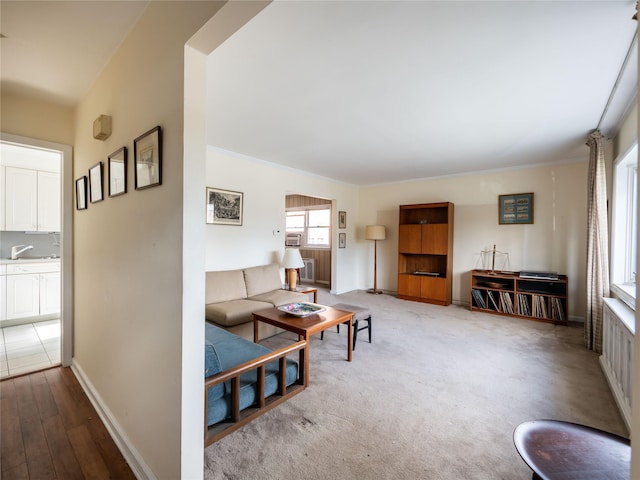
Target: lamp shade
x=375, y=232
x=292, y=258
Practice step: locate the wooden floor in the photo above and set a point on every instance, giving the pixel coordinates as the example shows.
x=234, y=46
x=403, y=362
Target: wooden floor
x=49, y=430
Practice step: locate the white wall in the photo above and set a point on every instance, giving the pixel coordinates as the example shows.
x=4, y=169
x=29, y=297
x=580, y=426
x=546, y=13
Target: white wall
x=265, y=186
x=129, y=250
x=627, y=133
x=34, y=118
x=635, y=406
x=556, y=240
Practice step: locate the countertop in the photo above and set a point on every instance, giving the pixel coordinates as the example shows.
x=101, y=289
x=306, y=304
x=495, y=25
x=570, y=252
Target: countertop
x=8, y=261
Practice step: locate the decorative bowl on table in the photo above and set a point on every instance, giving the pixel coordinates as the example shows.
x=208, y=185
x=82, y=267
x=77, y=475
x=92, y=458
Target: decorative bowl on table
x=301, y=309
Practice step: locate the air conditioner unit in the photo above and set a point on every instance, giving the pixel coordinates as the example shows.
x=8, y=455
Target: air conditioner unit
x=292, y=240
x=308, y=272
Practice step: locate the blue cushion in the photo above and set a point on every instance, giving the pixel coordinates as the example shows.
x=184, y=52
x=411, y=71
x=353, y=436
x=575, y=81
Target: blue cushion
x=211, y=367
x=232, y=350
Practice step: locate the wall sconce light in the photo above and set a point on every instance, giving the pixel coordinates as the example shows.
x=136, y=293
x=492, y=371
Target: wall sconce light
x=102, y=127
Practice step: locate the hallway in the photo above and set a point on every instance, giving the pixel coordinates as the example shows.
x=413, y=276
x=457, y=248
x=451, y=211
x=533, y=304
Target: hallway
x=50, y=430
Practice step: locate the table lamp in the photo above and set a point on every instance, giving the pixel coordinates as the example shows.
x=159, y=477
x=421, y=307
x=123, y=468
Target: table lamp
x=375, y=233
x=291, y=262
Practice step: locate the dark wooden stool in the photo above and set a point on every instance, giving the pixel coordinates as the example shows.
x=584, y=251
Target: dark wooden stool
x=557, y=450
x=360, y=314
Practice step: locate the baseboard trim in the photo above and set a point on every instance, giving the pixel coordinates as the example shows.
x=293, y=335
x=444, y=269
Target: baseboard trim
x=140, y=469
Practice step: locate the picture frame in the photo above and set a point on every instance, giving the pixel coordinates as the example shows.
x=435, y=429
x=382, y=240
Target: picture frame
x=81, y=193
x=342, y=240
x=515, y=209
x=117, y=164
x=95, y=183
x=147, y=153
x=224, y=207
x=342, y=219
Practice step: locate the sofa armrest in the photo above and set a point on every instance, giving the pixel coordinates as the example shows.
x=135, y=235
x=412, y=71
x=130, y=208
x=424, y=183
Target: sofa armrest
x=232, y=375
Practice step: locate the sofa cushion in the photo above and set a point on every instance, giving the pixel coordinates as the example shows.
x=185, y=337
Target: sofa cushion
x=280, y=297
x=225, y=285
x=211, y=367
x=233, y=351
x=233, y=312
x=262, y=279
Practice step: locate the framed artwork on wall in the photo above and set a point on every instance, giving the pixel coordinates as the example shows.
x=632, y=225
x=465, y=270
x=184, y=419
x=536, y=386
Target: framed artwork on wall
x=515, y=209
x=118, y=172
x=147, y=154
x=81, y=193
x=342, y=219
x=95, y=183
x=224, y=207
x=342, y=240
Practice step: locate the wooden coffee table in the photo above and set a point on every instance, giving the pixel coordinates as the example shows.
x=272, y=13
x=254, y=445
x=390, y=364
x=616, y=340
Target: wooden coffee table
x=305, y=327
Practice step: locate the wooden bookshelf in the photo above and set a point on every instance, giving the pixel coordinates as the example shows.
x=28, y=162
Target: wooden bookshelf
x=506, y=293
x=425, y=252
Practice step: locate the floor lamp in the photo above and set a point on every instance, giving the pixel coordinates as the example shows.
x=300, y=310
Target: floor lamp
x=375, y=233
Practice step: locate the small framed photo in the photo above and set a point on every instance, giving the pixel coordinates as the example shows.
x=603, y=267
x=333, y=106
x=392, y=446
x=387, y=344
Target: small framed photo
x=515, y=209
x=95, y=183
x=342, y=240
x=224, y=207
x=342, y=219
x=147, y=153
x=81, y=193
x=118, y=172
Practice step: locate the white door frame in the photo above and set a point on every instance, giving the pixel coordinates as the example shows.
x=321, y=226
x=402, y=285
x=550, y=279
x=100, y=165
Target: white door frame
x=66, y=236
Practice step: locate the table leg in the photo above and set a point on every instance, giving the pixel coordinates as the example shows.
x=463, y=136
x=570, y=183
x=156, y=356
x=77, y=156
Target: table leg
x=350, y=338
x=307, y=360
x=256, y=336
x=315, y=296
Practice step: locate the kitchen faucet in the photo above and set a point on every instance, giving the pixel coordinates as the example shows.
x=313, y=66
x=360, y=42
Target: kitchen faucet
x=17, y=250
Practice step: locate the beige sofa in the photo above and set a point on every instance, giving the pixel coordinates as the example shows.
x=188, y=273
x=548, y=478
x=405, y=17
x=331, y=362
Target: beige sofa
x=233, y=295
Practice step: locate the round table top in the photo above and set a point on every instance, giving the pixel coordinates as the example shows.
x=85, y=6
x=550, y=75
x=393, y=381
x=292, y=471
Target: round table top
x=557, y=450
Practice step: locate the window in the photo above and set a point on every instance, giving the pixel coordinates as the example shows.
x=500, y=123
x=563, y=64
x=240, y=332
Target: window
x=314, y=225
x=625, y=226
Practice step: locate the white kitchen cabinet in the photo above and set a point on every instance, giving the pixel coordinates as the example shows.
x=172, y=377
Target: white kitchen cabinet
x=2, y=201
x=3, y=298
x=49, y=293
x=48, y=202
x=21, y=199
x=23, y=296
x=30, y=289
x=32, y=200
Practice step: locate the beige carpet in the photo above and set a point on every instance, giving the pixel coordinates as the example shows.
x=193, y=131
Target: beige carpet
x=437, y=395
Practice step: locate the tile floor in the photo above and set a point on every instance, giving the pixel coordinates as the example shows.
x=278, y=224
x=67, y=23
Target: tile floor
x=29, y=347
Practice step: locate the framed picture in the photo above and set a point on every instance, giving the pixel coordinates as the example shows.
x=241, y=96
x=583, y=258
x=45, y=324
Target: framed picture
x=118, y=172
x=81, y=193
x=342, y=219
x=95, y=183
x=224, y=207
x=342, y=240
x=147, y=153
x=516, y=208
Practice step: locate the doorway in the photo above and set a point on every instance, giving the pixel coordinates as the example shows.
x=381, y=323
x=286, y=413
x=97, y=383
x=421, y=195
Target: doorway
x=308, y=227
x=35, y=249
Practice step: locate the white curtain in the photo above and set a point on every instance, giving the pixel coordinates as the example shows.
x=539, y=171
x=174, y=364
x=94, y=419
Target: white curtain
x=597, y=244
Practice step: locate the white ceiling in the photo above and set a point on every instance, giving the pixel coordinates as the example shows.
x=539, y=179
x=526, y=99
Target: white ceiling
x=368, y=92
x=55, y=50
x=386, y=91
